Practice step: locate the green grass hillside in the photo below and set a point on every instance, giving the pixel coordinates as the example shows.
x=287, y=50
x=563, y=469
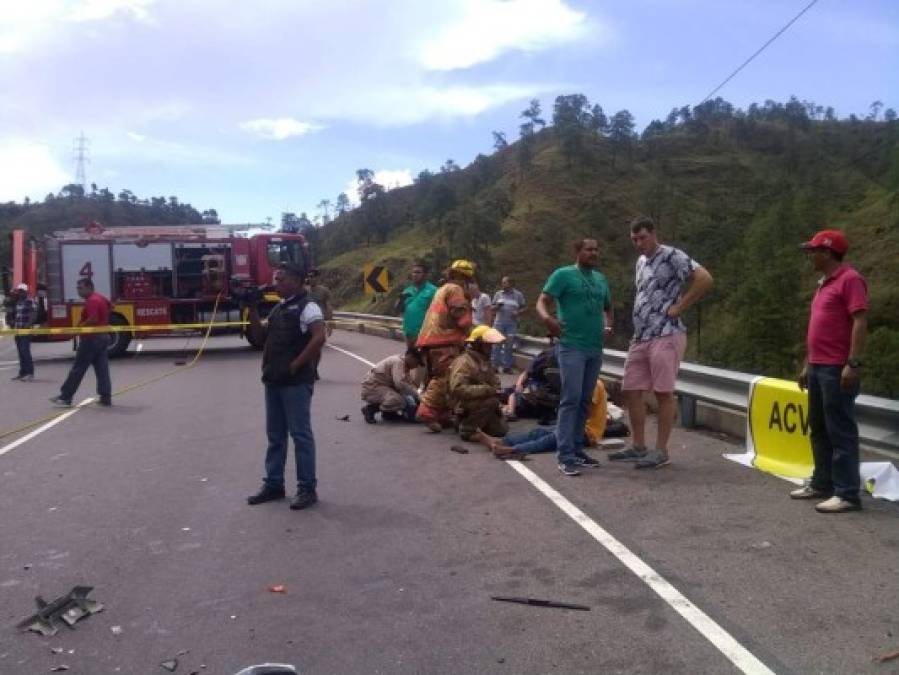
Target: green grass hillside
x=738, y=192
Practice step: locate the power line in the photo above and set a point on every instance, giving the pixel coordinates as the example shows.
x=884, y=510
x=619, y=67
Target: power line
x=759, y=50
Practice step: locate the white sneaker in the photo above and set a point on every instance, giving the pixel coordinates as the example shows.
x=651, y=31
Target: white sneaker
x=837, y=505
x=808, y=492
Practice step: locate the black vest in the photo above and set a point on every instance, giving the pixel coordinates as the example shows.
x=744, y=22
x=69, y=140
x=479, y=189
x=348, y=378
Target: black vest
x=284, y=342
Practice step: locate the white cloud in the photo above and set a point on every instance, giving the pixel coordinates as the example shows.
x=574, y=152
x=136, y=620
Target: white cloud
x=28, y=168
x=488, y=28
x=401, y=106
x=134, y=136
x=389, y=178
x=278, y=129
x=25, y=23
x=96, y=10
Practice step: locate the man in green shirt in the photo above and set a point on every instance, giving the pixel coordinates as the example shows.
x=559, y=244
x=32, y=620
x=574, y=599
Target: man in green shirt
x=414, y=302
x=583, y=314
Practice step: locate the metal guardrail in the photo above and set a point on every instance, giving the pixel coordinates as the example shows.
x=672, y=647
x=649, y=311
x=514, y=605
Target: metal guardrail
x=878, y=418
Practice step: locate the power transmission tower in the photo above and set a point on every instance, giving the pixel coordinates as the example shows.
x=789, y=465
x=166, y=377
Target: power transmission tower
x=80, y=152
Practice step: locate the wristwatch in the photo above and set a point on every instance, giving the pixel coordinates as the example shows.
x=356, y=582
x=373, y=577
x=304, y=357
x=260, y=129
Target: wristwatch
x=854, y=363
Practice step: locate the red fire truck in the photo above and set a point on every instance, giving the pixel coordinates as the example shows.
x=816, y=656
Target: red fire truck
x=155, y=276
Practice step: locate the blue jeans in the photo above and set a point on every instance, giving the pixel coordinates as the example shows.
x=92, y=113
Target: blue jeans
x=26, y=364
x=579, y=369
x=834, y=433
x=287, y=411
x=91, y=352
x=504, y=353
x=541, y=439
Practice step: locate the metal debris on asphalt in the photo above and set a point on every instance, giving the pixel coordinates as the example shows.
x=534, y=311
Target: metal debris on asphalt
x=116, y=630
x=278, y=588
x=58, y=669
x=511, y=456
x=889, y=657
x=535, y=602
x=462, y=450
x=345, y=418
x=69, y=608
x=171, y=665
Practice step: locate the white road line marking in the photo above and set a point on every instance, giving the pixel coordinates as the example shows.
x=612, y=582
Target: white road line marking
x=41, y=429
x=736, y=653
x=355, y=356
x=723, y=641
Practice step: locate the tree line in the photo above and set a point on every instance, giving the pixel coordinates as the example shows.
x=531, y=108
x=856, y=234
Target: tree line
x=736, y=188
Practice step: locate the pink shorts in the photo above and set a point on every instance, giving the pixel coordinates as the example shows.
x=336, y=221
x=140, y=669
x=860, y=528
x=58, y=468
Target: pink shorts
x=652, y=365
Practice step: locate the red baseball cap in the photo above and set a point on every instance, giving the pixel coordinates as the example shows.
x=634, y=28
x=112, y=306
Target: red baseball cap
x=832, y=239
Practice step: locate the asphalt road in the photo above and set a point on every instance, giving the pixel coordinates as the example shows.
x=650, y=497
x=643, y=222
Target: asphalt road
x=393, y=570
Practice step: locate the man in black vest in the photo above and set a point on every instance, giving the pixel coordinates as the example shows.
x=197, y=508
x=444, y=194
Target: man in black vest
x=293, y=337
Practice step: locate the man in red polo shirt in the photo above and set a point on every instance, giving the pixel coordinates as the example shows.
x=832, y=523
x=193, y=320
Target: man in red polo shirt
x=836, y=335
x=91, y=348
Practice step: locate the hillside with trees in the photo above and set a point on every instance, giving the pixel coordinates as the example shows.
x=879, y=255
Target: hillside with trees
x=737, y=189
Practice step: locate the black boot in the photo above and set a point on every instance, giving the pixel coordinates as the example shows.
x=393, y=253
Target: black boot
x=266, y=494
x=303, y=500
x=368, y=412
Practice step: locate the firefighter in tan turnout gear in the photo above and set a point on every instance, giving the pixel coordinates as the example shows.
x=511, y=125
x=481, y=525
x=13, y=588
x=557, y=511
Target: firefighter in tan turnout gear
x=473, y=386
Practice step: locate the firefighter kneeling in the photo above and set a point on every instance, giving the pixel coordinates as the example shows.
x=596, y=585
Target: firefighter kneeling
x=473, y=386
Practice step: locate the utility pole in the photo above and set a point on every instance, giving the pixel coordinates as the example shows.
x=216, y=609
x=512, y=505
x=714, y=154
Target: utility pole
x=80, y=156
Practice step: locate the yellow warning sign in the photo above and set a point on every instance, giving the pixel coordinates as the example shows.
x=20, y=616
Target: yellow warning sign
x=779, y=428
x=375, y=279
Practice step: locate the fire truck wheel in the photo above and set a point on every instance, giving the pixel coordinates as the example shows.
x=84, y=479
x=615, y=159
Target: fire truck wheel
x=119, y=341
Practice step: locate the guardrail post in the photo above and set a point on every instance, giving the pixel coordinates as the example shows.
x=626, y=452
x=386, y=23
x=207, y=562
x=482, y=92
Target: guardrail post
x=686, y=409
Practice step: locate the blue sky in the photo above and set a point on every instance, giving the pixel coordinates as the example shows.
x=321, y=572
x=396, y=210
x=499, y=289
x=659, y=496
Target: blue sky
x=257, y=108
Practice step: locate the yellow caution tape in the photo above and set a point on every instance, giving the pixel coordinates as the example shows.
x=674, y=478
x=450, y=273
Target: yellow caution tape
x=84, y=330
x=138, y=385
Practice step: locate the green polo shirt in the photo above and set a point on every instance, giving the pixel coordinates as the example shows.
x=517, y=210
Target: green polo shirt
x=581, y=297
x=417, y=302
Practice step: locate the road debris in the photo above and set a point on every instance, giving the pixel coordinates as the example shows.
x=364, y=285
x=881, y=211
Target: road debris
x=116, y=630
x=69, y=608
x=461, y=449
x=58, y=669
x=278, y=588
x=171, y=665
x=762, y=544
x=535, y=602
x=889, y=657
x=345, y=418
x=510, y=456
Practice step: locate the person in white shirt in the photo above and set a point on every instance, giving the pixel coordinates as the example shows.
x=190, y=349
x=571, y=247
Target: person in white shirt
x=481, y=307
